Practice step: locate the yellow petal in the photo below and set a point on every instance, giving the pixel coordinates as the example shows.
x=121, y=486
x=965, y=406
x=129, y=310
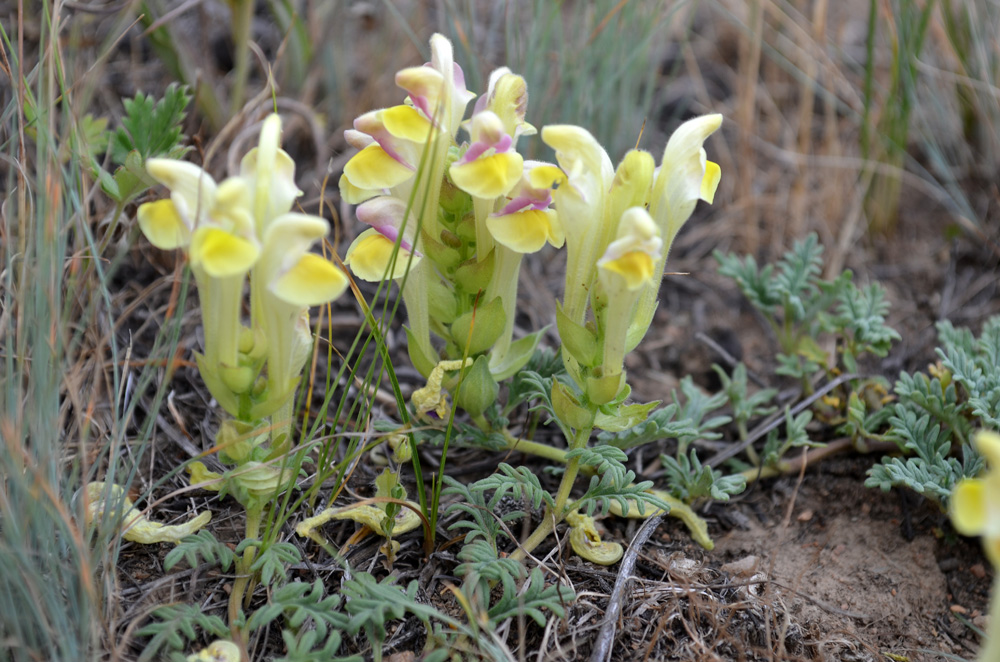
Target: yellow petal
x=633, y=181
x=373, y=168
x=312, y=281
x=524, y=231
x=710, y=182
x=218, y=651
x=162, y=225
x=489, y=176
x=354, y=195
x=406, y=122
x=969, y=507
x=222, y=254
x=546, y=176
x=370, y=255
x=988, y=443
x=635, y=267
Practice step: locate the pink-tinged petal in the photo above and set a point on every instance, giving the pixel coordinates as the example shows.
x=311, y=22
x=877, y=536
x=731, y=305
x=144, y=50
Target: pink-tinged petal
x=372, y=168
x=312, y=281
x=370, y=255
x=424, y=85
x=525, y=232
x=162, y=225
x=489, y=176
x=388, y=216
x=487, y=135
x=462, y=94
x=357, y=139
x=443, y=59
x=222, y=254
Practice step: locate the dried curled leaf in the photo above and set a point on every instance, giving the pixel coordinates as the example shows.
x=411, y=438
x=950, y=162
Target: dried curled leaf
x=204, y=478
x=406, y=519
x=217, y=651
x=586, y=541
x=678, y=509
x=135, y=526
x=431, y=401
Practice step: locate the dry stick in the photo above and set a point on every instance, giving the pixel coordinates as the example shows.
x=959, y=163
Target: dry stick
x=602, y=649
x=776, y=420
x=702, y=337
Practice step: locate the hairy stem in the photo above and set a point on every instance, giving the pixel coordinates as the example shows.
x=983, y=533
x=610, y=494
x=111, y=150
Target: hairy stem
x=243, y=564
x=556, y=514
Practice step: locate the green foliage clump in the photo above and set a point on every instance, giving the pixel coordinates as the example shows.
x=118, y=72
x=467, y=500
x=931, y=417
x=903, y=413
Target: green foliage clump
x=939, y=411
x=149, y=129
x=801, y=306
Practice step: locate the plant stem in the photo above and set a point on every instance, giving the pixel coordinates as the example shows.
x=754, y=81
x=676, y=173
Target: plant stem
x=243, y=569
x=787, y=467
x=555, y=514
x=991, y=647
x=534, y=448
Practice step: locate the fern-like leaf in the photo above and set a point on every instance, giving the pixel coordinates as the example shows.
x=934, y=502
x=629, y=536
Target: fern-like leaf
x=201, y=545
x=174, y=626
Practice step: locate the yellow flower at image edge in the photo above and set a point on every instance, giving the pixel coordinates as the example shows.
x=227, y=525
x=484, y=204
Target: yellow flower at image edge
x=975, y=502
x=220, y=650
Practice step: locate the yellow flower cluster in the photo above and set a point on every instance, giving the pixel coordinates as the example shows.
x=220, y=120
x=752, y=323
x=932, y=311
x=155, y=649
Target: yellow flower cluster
x=241, y=228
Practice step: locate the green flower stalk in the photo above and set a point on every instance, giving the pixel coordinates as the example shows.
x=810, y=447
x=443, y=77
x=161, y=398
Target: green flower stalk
x=213, y=223
x=626, y=267
x=685, y=176
x=450, y=213
x=242, y=227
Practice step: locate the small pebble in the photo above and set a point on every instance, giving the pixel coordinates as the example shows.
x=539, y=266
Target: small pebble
x=978, y=571
x=805, y=515
x=947, y=565
x=958, y=609
x=741, y=568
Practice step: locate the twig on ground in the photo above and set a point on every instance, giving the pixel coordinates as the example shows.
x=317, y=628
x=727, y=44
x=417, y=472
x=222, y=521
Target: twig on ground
x=775, y=420
x=606, y=636
x=703, y=337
